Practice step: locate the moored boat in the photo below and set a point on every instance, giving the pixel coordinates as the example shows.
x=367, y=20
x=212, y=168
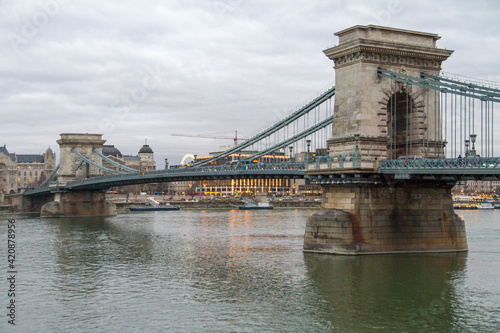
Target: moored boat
x=148, y=208
x=152, y=204
x=461, y=205
x=247, y=205
x=486, y=205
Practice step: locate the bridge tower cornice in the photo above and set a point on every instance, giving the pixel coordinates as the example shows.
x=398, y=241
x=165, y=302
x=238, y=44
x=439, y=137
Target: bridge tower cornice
x=387, y=47
x=78, y=139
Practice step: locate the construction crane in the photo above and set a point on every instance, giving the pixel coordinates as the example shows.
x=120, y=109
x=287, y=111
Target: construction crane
x=212, y=136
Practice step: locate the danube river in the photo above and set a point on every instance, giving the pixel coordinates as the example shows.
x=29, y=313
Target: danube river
x=237, y=271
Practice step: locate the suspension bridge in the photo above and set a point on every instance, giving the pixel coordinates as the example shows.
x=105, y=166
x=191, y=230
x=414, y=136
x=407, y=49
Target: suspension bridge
x=392, y=127
x=292, y=132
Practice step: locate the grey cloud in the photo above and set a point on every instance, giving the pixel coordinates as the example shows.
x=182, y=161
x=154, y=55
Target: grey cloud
x=221, y=65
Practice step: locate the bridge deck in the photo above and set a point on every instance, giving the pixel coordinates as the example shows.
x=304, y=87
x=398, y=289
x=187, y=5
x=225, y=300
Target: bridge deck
x=320, y=173
x=452, y=169
x=282, y=170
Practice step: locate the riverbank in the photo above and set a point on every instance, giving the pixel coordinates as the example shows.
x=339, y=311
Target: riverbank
x=200, y=204
x=229, y=204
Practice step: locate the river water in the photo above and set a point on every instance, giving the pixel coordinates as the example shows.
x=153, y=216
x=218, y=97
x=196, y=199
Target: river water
x=237, y=271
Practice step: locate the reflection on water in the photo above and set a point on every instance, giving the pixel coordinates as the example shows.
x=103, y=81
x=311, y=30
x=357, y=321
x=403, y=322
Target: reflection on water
x=387, y=293
x=238, y=271
x=88, y=252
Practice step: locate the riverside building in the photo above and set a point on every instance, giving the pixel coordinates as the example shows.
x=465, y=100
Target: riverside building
x=19, y=172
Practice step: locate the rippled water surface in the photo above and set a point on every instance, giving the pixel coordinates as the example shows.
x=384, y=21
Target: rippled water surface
x=236, y=271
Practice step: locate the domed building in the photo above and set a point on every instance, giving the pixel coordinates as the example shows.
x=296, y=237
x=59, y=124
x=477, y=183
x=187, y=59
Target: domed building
x=146, y=156
x=111, y=150
x=143, y=161
x=146, y=149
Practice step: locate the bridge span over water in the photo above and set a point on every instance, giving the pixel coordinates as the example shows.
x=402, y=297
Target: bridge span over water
x=252, y=171
x=453, y=170
x=380, y=143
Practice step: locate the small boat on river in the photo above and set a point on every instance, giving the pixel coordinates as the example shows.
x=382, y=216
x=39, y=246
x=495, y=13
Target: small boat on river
x=465, y=205
x=152, y=204
x=486, y=205
x=248, y=205
x=471, y=202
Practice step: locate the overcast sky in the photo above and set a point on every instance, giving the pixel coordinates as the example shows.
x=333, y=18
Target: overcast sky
x=133, y=70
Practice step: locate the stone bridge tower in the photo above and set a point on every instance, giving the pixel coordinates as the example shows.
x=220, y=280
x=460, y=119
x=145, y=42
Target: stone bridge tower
x=78, y=203
x=69, y=161
x=387, y=120
x=390, y=118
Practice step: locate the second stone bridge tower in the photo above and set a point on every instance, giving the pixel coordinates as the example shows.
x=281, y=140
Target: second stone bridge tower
x=71, y=168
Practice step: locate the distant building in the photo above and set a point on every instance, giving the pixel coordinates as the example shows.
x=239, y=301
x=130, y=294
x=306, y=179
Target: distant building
x=133, y=162
x=19, y=172
x=477, y=186
x=147, y=161
x=143, y=161
x=232, y=187
x=113, y=154
x=111, y=150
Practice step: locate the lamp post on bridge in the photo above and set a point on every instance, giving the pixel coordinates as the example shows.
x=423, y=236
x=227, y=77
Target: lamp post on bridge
x=356, y=155
x=291, y=150
x=308, y=142
x=424, y=151
x=329, y=159
x=472, y=152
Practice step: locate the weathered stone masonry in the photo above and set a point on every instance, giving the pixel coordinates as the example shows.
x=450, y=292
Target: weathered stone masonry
x=385, y=215
x=367, y=218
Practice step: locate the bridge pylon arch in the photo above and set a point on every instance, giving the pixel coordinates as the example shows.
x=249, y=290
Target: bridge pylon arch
x=362, y=97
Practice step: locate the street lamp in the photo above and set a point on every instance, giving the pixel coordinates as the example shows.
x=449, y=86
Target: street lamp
x=308, y=142
x=424, y=151
x=356, y=155
x=291, y=149
x=473, y=140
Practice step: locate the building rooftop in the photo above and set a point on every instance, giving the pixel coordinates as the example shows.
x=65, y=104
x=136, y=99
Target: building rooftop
x=131, y=158
x=108, y=150
x=6, y=152
x=146, y=150
x=29, y=158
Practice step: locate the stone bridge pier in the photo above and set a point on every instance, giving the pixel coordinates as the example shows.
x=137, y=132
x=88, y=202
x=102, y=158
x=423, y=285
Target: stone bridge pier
x=78, y=203
x=380, y=119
